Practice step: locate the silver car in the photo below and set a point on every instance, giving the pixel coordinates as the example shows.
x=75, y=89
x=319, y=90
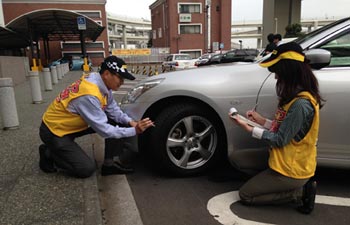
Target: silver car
x=190, y=108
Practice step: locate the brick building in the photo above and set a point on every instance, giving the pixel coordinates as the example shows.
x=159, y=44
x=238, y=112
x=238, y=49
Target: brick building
x=191, y=26
x=94, y=9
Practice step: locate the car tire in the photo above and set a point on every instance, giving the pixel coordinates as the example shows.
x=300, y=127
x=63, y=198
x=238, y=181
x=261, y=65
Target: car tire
x=187, y=140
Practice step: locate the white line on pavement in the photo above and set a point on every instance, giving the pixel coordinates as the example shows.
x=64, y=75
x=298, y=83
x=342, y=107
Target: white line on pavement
x=219, y=207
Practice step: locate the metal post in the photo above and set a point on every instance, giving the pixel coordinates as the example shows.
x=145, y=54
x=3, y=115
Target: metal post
x=8, y=110
x=54, y=75
x=45, y=52
x=47, y=79
x=38, y=55
x=35, y=87
x=290, y=12
x=276, y=25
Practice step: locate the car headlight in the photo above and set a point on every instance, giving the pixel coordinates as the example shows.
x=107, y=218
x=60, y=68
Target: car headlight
x=138, y=90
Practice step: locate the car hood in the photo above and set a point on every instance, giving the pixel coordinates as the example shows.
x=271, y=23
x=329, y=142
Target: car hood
x=222, y=80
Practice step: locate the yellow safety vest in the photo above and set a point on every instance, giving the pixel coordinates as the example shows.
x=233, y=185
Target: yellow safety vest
x=62, y=122
x=297, y=159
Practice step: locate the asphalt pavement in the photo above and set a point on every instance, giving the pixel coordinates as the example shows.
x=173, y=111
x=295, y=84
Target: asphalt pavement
x=30, y=196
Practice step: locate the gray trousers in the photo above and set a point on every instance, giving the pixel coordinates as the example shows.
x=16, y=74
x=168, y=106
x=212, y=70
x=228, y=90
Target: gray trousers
x=70, y=157
x=266, y=187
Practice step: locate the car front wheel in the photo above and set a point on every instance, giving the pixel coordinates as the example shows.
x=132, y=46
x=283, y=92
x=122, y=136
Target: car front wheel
x=187, y=139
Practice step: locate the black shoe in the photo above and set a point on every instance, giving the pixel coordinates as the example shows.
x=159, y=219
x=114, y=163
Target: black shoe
x=308, y=198
x=45, y=163
x=116, y=168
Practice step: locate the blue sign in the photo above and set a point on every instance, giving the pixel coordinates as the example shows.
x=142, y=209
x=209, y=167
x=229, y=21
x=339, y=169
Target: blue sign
x=221, y=45
x=81, y=20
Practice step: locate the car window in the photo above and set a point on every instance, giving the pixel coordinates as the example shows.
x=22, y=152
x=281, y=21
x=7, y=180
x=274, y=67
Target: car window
x=241, y=53
x=340, y=49
x=229, y=55
x=254, y=52
x=169, y=58
x=182, y=57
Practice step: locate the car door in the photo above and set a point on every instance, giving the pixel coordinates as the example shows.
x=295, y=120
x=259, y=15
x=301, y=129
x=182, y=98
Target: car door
x=228, y=57
x=334, y=82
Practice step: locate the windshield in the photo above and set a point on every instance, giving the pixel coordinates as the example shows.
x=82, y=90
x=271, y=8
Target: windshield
x=182, y=57
x=310, y=35
x=318, y=31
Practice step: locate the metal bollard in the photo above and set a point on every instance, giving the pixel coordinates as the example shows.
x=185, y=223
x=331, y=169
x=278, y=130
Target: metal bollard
x=8, y=109
x=54, y=75
x=47, y=79
x=35, y=87
x=59, y=71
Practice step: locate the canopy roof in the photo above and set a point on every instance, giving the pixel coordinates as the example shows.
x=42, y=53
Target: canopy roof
x=53, y=25
x=10, y=39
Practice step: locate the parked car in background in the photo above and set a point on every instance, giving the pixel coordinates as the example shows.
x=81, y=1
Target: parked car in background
x=178, y=62
x=203, y=59
x=240, y=55
x=190, y=108
x=60, y=61
x=78, y=62
x=215, y=59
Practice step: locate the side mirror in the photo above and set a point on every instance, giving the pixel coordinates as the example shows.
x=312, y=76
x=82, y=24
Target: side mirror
x=318, y=58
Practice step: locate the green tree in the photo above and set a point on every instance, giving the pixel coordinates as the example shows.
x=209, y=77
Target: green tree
x=293, y=30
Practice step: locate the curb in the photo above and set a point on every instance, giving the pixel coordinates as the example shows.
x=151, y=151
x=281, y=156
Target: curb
x=115, y=196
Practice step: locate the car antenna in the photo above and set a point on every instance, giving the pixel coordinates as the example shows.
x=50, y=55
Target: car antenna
x=257, y=96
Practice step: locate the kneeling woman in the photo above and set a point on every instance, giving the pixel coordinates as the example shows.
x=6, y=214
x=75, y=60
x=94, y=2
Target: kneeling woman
x=290, y=163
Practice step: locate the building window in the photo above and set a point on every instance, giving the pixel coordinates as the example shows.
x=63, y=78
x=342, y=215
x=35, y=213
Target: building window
x=154, y=34
x=194, y=53
x=190, y=28
x=190, y=7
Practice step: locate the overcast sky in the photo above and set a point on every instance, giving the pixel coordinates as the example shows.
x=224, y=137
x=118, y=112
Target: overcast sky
x=242, y=10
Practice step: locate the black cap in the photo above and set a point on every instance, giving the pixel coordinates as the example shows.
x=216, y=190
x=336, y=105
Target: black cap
x=290, y=50
x=116, y=65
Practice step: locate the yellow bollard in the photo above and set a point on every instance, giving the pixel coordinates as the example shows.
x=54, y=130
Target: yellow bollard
x=156, y=70
x=137, y=69
x=34, y=67
x=144, y=70
x=40, y=65
x=150, y=72
x=86, y=67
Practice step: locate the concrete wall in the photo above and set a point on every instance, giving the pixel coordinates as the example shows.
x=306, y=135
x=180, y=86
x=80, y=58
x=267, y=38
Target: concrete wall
x=14, y=67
